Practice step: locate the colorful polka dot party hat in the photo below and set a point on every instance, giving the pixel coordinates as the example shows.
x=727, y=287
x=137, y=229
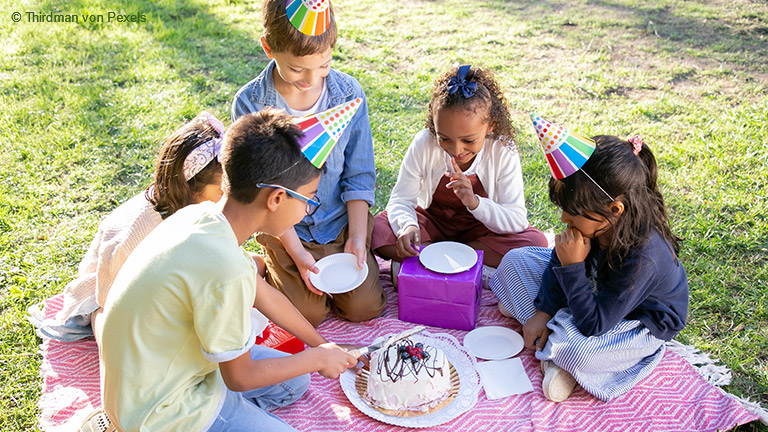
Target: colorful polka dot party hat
x=566, y=152
x=322, y=130
x=311, y=17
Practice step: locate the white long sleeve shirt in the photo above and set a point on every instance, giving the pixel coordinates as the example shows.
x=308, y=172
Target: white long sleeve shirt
x=496, y=165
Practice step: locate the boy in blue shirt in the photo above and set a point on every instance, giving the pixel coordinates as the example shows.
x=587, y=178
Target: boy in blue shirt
x=300, y=80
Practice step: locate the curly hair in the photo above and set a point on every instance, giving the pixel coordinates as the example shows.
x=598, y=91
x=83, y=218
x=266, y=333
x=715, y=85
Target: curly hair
x=488, y=100
x=168, y=191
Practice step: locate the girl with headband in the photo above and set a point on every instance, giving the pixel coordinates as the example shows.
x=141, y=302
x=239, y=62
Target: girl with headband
x=187, y=172
x=461, y=178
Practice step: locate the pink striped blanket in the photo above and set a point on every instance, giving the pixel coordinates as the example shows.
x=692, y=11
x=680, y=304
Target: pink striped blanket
x=674, y=398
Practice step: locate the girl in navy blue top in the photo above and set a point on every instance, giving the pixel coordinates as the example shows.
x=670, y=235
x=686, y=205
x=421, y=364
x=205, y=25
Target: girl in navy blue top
x=599, y=306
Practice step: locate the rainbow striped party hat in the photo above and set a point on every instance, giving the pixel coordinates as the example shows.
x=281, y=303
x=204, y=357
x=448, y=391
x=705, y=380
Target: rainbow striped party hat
x=311, y=17
x=323, y=130
x=566, y=152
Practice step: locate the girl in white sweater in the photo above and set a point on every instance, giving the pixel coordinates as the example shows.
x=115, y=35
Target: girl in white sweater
x=187, y=172
x=460, y=179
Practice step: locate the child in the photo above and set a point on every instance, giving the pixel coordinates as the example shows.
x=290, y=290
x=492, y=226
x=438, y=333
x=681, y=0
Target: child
x=460, y=179
x=603, y=302
x=300, y=80
x=177, y=347
x=187, y=172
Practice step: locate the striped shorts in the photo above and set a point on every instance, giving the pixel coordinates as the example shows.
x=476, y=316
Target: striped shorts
x=606, y=366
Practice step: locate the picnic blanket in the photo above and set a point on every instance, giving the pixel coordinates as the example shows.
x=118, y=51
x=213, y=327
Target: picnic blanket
x=674, y=397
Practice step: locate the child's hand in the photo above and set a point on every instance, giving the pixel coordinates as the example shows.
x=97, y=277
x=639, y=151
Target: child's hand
x=462, y=187
x=406, y=242
x=333, y=360
x=536, y=332
x=571, y=246
x=363, y=358
x=306, y=263
x=356, y=246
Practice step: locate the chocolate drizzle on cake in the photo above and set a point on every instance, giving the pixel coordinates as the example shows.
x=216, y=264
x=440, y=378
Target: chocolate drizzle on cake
x=411, y=359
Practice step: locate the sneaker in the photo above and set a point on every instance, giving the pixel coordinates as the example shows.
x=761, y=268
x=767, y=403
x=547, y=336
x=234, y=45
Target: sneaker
x=488, y=273
x=97, y=421
x=546, y=364
x=395, y=271
x=557, y=384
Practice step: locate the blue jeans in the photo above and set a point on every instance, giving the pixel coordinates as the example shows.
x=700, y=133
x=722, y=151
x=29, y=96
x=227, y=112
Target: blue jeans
x=248, y=411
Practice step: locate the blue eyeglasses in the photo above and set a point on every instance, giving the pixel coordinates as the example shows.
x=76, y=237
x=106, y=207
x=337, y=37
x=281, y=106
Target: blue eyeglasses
x=312, y=203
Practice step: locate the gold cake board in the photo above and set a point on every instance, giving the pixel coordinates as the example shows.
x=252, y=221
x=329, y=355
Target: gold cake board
x=361, y=385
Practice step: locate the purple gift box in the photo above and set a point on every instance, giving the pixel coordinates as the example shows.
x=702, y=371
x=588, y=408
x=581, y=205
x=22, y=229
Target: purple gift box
x=439, y=299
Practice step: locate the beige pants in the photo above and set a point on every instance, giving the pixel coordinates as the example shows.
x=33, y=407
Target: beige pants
x=362, y=303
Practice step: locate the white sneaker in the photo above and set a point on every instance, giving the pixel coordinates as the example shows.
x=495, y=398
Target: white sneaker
x=545, y=364
x=395, y=271
x=557, y=384
x=488, y=273
x=97, y=421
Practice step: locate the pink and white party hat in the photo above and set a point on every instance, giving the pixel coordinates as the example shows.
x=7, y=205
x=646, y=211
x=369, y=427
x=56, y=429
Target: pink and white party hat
x=566, y=152
x=311, y=17
x=323, y=130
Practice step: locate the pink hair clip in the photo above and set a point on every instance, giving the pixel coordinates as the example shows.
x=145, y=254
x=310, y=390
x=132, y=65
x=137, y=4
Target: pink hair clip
x=637, y=144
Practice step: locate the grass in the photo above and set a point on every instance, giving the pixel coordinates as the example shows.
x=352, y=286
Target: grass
x=85, y=107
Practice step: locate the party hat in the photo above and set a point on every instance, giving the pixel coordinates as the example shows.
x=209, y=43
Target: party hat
x=566, y=152
x=322, y=130
x=311, y=17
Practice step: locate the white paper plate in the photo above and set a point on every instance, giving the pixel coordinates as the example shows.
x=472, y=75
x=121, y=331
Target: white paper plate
x=339, y=273
x=493, y=342
x=448, y=257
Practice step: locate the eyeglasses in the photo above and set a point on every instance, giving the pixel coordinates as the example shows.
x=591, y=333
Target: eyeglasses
x=312, y=203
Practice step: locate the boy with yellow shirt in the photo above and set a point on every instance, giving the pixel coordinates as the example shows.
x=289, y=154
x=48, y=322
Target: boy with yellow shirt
x=186, y=359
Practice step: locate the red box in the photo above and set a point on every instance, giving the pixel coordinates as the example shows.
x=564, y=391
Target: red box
x=275, y=337
x=438, y=299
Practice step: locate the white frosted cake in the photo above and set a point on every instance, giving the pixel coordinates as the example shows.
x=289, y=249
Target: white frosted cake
x=408, y=376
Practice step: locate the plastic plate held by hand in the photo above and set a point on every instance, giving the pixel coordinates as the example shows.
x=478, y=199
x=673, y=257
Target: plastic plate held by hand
x=493, y=342
x=448, y=257
x=339, y=273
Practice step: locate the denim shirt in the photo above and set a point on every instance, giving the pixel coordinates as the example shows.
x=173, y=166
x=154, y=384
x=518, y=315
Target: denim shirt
x=350, y=170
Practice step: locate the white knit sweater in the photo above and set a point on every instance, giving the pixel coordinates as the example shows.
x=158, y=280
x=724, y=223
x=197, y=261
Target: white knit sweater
x=118, y=235
x=497, y=166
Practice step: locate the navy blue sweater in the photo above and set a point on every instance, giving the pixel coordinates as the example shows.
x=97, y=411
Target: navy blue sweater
x=651, y=287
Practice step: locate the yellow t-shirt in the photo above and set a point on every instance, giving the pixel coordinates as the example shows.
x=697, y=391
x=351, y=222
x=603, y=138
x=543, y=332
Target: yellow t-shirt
x=180, y=305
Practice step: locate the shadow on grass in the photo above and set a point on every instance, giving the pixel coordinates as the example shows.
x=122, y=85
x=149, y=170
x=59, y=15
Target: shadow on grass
x=742, y=37
x=722, y=35
x=194, y=49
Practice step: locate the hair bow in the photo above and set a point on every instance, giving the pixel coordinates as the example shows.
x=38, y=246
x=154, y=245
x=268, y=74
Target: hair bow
x=215, y=123
x=461, y=82
x=203, y=154
x=637, y=144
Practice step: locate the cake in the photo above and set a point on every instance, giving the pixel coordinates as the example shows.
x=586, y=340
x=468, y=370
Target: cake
x=408, y=376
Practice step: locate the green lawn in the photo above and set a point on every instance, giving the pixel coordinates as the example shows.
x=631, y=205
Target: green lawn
x=85, y=107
